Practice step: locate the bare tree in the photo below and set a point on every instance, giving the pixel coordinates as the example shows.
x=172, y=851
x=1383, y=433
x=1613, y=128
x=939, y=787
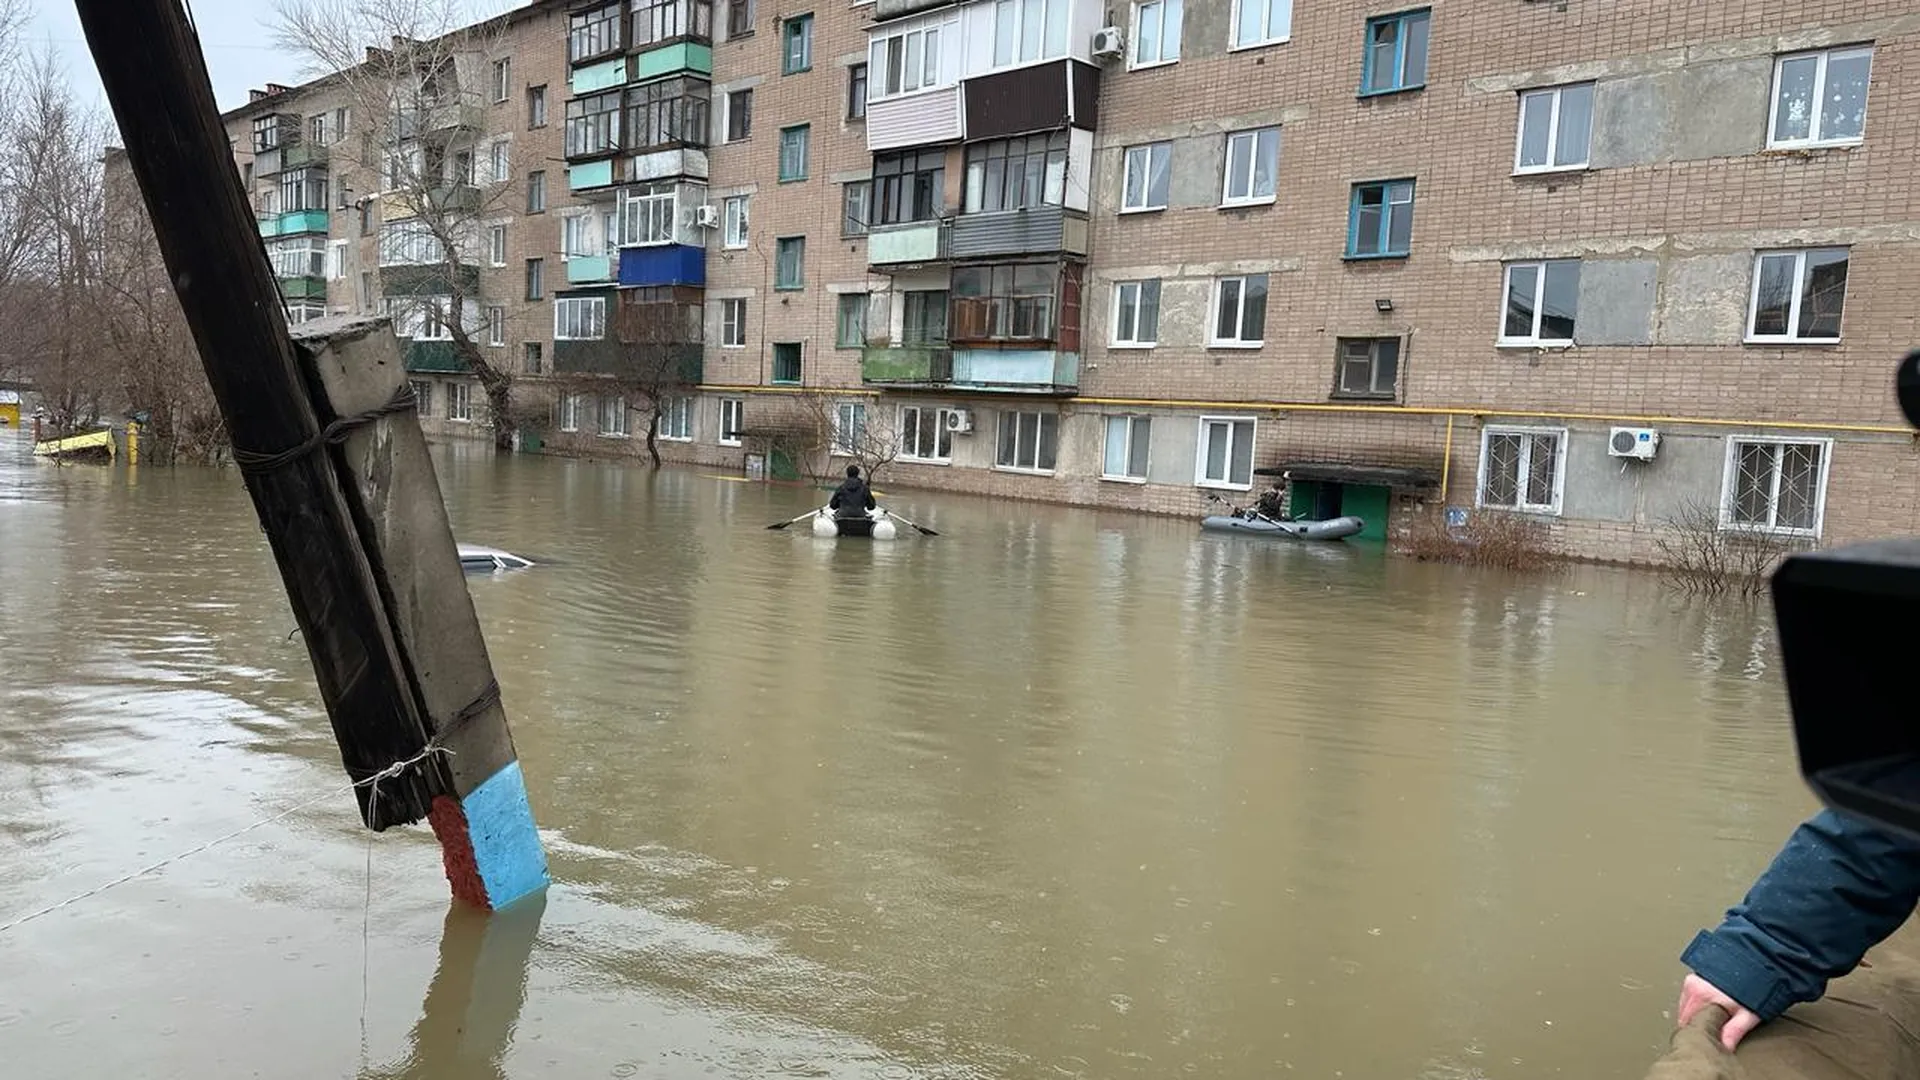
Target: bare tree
x=660, y=350
x=1699, y=556
x=846, y=428
x=415, y=80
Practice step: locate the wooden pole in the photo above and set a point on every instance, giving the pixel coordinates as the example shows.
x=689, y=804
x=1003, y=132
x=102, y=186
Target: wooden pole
x=150, y=64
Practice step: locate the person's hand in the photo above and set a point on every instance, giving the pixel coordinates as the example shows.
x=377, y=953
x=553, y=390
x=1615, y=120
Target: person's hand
x=1697, y=993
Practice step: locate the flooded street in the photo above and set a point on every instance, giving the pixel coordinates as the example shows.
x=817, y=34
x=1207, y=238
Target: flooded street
x=1056, y=794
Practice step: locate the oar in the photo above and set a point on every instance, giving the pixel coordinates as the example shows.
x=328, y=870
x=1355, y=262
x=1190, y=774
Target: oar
x=778, y=525
x=924, y=531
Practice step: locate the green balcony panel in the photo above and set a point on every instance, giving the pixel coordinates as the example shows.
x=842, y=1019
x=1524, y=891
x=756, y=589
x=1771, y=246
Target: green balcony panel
x=595, y=174
x=908, y=364
x=607, y=73
x=584, y=269
x=302, y=221
x=1042, y=370
x=434, y=356
x=269, y=227
x=920, y=242
x=682, y=56
x=303, y=288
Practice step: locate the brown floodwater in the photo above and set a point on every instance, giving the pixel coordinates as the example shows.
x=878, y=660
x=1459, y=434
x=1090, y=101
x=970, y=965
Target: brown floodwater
x=1056, y=794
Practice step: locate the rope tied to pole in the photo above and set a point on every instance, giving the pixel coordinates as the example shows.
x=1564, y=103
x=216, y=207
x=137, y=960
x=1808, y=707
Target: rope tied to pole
x=254, y=462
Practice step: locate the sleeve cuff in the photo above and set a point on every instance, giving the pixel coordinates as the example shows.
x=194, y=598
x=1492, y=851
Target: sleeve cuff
x=1739, y=974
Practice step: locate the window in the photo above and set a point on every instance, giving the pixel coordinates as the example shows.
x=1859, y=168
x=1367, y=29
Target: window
x=790, y=262
x=739, y=115
x=1556, y=126
x=793, y=153
x=1774, y=485
x=909, y=186
x=924, y=435
x=502, y=79
x=593, y=33
x=1028, y=30
x=1521, y=468
x=613, y=417
x=409, y=243
x=1136, y=314
x=499, y=163
x=537, y=192
x=796, y=52
x=676, y=419
x=1380, y=220
x=925, y=317
x=1798, y=295
x=857, y=92
x=856, y=207
x=536, y=273
x=303, y=189
x=850, y=327
x=593, y=125
x=1156, y=32
x=301, y=256
x=422, y=395
x=1004, y=303
x=735, y=233
x=496, y=326
x=903, y=63
x=647, y=214
x=459, y=402
x=1542, y=300
x=536, y=107
x=1261, y=22
x=1147, y=176
x=1367, y=368
x=496, y=245
x=579, y=318
x=1225, y=458
x=1015, y=174
x=336, y=260
x=266, y=133
x=1396, y=57
x=656, y=22
x=569, y=412
x=1126, y=450
x=1029, y=441
x=786, y=362
x=671, y=112
x=739, y=18
x=733, y=324
x=530, y=357
x=732, y=411
x=849, y=428
x=304, y=311
x=1253, y=160
x=1239, y=311
x=366, y=218
x=1820, y=98
x=366, y=290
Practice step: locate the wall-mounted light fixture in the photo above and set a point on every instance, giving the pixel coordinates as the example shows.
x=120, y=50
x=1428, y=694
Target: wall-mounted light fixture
x=1383, y=304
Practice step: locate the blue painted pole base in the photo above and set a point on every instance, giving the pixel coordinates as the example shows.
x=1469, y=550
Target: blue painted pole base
x=488, y=841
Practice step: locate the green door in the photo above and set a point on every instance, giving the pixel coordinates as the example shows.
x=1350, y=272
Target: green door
x=782, y=465
x=1316, y=500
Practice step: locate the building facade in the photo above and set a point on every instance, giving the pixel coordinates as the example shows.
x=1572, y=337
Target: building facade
x=1603, y=265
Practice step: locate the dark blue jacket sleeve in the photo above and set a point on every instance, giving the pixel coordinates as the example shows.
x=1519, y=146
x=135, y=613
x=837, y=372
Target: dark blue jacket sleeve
x=1838, y=888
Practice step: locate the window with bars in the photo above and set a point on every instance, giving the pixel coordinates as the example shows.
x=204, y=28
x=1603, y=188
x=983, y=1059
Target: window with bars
x=1522, y=469
x=1005, y=303
x=671, y=112
x=908, y=186
x=1014, y=174
x=592, y=34
x=593, y=125
x=656, y=22
x=1775, y=485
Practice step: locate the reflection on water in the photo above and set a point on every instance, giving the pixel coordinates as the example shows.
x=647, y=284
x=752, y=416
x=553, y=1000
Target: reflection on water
x=1057, y=793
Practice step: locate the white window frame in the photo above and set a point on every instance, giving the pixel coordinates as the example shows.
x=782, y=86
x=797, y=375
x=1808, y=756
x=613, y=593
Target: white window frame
x=569, y=412
x=1553, y=131
x=941, y=435
x=337, y=260
x=1731, y=468
x=459, y=397
x=1213, y=314
x=1792, y=336
x=1539, y=315
x=1268, y=37
x=738, y=407
x=676, y=419
x=622, y=425
x=735, y=212
x=1200, y=478
x=1143, y=154
x=1134, y=422
x=1162, y=7
x=497, y=326
x=1012, y=416
x=496, y=245
x=649, y=214
x=738, y=325
x=1227, y=198
x=1813, y=141
x=500, y=161
x=502, y=76
x=1119, y=337
x=1014, y=25
x=931, y=73
x=1520, y=505
x=579, y=318
x=839, y=444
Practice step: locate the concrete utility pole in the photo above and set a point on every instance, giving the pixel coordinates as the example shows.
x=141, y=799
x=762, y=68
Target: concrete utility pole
x=325, y=435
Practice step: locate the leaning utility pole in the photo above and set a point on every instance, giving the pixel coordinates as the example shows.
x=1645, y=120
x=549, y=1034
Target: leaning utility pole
x=341, y=481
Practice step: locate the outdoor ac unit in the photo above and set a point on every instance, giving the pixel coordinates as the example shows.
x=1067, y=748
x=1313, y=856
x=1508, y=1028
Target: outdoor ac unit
x=960, y=421
x=1109, y=43
x=707, y=217
x=1633, y=442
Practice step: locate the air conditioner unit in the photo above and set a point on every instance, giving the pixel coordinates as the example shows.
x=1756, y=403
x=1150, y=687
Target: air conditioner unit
x=1109, y=43
x=1633, y=442
x=960, y=421
x=707, y=217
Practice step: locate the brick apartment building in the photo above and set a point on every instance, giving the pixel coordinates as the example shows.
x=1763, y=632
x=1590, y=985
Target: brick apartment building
x=1601, y=263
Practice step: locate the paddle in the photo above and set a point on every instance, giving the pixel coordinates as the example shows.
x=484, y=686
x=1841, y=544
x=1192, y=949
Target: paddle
x=778, y=525
x=924, y=531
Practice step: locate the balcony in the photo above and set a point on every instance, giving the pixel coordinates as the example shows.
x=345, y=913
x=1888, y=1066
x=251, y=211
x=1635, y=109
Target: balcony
x=593, y=174
x=429, y=279
x=927, y=118
x=435, y=357
x=1039, y=230
x=446, y=117
x=301, y=155
x=899, y=245
x=457, y=198
x=896, y=9
x=906, y=365
x=1044, y=97
x=590, y=269
x=665, y=265
x=1016, y=371
x=306, y=287
x=293, y=223
x=677, y=362
x=686, y=56
x=594, y=78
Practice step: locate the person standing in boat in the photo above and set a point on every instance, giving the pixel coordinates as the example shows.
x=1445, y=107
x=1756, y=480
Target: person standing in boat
x=853, y=498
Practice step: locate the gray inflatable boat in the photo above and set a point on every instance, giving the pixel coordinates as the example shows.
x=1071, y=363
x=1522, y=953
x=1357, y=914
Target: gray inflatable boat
x=1248, y=521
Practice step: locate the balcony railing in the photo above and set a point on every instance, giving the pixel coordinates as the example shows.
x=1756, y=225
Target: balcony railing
x=1042, y=370
x=919, y=242
x=906, y=365
x=1038, y=230
x=443, y=117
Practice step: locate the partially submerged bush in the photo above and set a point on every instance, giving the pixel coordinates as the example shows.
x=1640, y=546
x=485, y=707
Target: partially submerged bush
x=1505, y=541
x=1700, y=558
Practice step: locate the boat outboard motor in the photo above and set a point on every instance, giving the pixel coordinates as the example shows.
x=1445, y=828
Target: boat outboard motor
x=1845, y=617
